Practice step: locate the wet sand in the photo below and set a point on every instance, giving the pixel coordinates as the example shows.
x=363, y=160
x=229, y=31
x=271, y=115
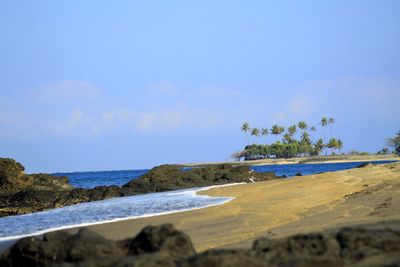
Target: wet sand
x=282, y=207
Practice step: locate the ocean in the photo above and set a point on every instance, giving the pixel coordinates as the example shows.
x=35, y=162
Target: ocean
x=123, y=208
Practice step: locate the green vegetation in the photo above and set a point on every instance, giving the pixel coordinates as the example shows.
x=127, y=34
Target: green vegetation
x=295, y=141
x=395, y=143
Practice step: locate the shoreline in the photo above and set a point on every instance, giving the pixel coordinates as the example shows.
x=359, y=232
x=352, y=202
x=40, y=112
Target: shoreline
x=302, y=160
x=273, y=208
x=189, y=190
x=259, y=208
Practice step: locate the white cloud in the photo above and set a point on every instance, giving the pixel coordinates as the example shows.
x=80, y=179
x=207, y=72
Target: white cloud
x=215, y=91
x=163, y=87
x=301, y=105
x=70, y=124
x=67, y=90
x=168, y=88
x=279, y=116
x=162, y=120
x=79, y=108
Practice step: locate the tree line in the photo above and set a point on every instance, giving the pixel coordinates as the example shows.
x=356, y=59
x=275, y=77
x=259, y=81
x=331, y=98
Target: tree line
x=292, y=141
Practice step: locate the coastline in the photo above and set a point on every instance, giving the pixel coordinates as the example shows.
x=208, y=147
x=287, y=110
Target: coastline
x=191, y=191
x=277, y=208
x=303, y=160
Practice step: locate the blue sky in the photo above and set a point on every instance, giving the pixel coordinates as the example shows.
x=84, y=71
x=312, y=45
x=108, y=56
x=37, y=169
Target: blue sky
x=95, y=85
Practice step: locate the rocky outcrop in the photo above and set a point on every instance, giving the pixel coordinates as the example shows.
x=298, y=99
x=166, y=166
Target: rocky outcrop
x=22, y=193
x=172, y=177
x=153, y=246
x=14, y=180
x=165, y=246
x=164, y=239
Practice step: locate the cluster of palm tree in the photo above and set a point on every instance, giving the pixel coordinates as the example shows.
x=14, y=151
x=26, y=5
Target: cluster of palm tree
x=395, y=143
x=289, y=146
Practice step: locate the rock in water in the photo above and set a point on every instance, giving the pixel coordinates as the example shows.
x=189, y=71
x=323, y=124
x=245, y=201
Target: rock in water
x=172, y=177
x=21, y=193
x=13, y=179
x=365, y=164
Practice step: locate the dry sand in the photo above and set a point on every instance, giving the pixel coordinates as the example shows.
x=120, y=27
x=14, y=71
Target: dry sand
x=282, y=207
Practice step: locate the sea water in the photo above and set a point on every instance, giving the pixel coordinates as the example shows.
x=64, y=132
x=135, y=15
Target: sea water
x=289, y=170
x=89, y=180
x=108, y=210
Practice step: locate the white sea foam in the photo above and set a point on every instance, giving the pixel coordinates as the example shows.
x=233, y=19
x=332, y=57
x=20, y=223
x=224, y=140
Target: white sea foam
x=106, y=211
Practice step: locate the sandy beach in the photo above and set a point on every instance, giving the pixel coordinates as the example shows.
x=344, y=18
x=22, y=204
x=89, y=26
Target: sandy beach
x=303, y=160
x=281, y=207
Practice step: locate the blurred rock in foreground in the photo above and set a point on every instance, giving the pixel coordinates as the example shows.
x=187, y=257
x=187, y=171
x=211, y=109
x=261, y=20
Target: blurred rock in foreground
x=165, y=246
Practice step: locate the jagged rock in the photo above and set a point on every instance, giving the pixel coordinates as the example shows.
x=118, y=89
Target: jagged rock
x=298, y=174
x=157, y=246
x=316, y=247
x=164, y=238
x=172, y=177
x=365, y=164
x=14, y=180
x=21, y=193
x=357, y=244
x=153, y=246
x=225, y=258
x=58, y=247
x=9, y=169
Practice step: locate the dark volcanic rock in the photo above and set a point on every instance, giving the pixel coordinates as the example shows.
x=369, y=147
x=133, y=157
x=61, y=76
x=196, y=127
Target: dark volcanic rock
x=59, y=247
x=164, y=238
x=343, y=247
x=172, y=177
x=357, y=244
x=365, y=164
x=315, y=249
x=226, y=258
x=157, y=246
x=21, y=193
x=13, y=179
x=153, y=246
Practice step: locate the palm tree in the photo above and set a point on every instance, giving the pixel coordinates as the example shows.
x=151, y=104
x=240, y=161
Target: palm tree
x=281, y=130
x=313, y=129
x=305, y=138
x=339, y=145
x=319, y=145
x=324, y=123
x=265, y=132
x=395, y=143
x=305, y=143
x=332, y=144
x=246, y=128
x=292, y=130
x=287, y=138
x=330, y=122
x=277, y=130
x=302, y=125
x=256, y=133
